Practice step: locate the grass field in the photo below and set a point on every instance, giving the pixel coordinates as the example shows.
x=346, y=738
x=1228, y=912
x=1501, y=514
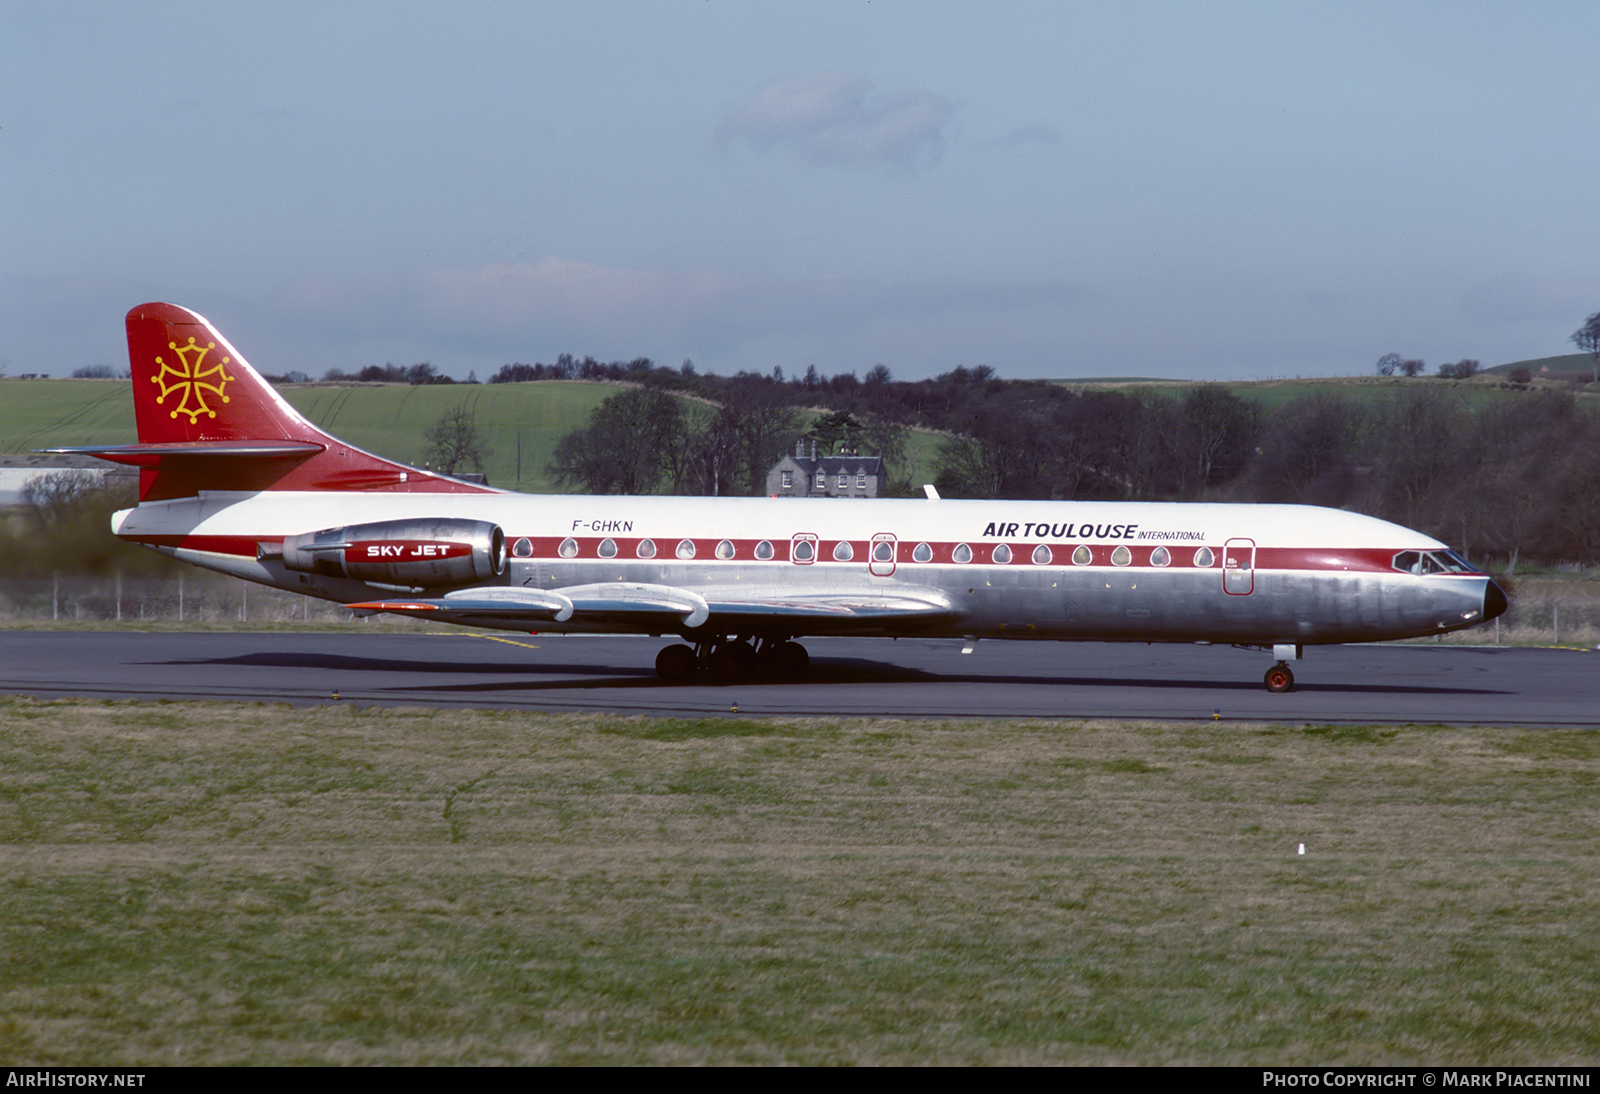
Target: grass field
x=1271, y=394
x=209, y=883
x=389, y=419
x=520, y=423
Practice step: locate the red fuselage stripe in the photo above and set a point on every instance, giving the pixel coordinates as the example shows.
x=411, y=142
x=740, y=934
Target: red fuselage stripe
x=547, y=548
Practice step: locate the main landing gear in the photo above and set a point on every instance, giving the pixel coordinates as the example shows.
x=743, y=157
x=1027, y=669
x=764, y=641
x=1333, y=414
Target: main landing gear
x=733, y=659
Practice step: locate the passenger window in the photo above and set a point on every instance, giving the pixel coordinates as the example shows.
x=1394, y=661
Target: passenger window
x=803, y=551
x=1121, y=556
x=686, y=548
x=523, y=548
x=1042, y=555
x=1160, y=557
x=1082, y=556
x=764, y=550
x=1204, y=557
x=843, y=552
x=1002, y=554
x=922, y=553
x=568, y=548
x=608, y=548
x=725, y=549
x=962, y=553
x=882, y=552
x=646, y=548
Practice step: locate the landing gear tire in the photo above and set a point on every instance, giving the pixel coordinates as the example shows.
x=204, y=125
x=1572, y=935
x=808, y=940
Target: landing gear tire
x=732, y=662
x=675, y=664
x=1279, y=679
x=790, y=661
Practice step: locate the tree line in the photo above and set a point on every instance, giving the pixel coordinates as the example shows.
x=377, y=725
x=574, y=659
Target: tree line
x=1512, y=476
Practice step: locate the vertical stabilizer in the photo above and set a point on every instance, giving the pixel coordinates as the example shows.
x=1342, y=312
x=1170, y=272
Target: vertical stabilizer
x=208, y=421
x=189, y=384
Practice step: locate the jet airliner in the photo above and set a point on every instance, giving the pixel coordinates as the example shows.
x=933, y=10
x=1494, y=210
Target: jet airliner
x=233, y=479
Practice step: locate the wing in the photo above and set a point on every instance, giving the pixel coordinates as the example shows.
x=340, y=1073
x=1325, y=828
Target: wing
x=630, y=606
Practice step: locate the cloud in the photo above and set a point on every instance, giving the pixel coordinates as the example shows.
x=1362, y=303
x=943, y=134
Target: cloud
x=837, y=119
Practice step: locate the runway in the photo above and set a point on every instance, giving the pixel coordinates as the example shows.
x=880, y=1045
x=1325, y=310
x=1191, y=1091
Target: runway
x=908, y=678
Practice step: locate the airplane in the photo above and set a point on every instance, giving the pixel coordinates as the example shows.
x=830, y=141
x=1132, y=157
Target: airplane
x=233, y=479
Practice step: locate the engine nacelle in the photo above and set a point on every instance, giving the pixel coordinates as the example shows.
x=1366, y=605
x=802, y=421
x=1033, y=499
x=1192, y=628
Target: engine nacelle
x=426, y=552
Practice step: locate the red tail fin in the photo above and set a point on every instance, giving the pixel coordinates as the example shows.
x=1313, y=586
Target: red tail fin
x=189, y=384
x=208, y=421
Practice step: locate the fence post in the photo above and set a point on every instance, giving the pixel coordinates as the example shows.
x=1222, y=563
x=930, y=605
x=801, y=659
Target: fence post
x=119, y=596
x=180, y=598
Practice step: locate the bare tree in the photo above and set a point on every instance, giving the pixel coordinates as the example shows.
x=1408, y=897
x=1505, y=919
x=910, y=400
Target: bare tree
x=1587, y=338
x=1388, y=364
x=634, y=440
x=52, y=494
x=454, y=443
x=1218, y=431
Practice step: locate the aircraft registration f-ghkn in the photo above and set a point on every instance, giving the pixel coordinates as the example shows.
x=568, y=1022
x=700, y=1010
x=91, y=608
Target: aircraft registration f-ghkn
x=233, y=479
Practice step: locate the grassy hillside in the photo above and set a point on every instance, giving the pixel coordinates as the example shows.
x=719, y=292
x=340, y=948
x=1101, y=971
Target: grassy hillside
x=1580, y=365
x=521, y=423
x=1271, y=394
x=48, y=413
x=389, y=419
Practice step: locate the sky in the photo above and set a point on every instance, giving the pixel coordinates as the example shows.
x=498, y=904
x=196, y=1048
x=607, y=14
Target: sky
x=1057, y=190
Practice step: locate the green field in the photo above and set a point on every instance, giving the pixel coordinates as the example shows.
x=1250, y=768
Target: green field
x=1271, y=394
x=235, y=884
x=520, y=423
x=389, y=419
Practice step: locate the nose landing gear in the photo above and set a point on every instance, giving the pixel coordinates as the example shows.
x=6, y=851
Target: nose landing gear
x=1279, y=679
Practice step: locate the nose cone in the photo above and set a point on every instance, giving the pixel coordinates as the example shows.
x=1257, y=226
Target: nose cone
x=1494, y=601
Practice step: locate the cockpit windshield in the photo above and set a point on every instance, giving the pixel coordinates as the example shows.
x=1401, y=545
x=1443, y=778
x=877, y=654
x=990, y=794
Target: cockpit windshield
x=1433, y=562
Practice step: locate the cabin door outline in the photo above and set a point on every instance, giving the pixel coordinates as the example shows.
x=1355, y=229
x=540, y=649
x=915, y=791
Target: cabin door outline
x=883, y=544
x=807, y=556
x=1239, y=567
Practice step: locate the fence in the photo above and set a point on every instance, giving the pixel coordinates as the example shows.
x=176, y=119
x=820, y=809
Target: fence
x=191, y=598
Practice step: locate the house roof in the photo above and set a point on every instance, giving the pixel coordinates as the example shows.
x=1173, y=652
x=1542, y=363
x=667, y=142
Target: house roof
x=836, y=465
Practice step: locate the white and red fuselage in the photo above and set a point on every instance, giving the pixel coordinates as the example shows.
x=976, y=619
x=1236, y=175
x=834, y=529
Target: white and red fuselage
x=247, y=487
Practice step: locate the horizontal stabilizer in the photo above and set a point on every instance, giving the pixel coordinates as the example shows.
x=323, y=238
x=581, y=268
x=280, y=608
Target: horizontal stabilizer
x=152, y=455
